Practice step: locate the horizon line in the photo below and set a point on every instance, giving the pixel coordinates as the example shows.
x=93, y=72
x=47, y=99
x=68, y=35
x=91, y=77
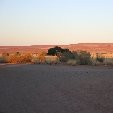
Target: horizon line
x=60, y=44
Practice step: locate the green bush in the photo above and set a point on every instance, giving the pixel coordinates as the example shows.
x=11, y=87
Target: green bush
x=65, y=56
x=56, y=50
x=81, y=57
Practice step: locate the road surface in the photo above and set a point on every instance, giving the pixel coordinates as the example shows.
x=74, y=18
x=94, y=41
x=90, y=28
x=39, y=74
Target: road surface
x=56, y=89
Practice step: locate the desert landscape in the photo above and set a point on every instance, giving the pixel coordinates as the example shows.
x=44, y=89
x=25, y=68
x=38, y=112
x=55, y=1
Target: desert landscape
x=102, y=48
x=56, y=56
x=90, y=47
x=29, y=88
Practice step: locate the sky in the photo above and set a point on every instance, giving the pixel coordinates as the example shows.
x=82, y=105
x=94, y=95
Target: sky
x=37, y=22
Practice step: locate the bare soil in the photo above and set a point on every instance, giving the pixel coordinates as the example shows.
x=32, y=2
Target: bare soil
x=56, y=89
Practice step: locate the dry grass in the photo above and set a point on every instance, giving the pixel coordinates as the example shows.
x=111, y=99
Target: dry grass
x=72, y=62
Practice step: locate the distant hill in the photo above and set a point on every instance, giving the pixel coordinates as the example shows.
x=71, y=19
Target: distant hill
x=91, y=47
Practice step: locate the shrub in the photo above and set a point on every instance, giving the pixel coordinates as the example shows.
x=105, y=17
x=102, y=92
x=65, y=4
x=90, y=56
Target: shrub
x=26, y=58
x=108, y=61
x=75, y=55
x=72, y=62
x=41, y=57
x=2, y=60
x=48, y=61
x=84, y=58
x=51, y=59
x=93, y=61
x=100, y=58
x=54, y=51
x=5, y=54
x=5, y=57
x=65, y=56
x=35, y=60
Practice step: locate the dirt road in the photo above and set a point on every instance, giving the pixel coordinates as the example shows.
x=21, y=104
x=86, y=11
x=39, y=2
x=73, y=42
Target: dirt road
x=56, y=89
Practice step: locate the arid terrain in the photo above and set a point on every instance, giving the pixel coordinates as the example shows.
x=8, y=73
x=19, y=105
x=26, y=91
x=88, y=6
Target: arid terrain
x=91, y=47
x=105, y=49
x=26, y=88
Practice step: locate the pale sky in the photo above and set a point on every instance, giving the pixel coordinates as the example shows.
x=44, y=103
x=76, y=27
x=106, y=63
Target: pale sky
x=34, y=22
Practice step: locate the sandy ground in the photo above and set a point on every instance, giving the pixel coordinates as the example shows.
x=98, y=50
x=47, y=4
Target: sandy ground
x=56, y=89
